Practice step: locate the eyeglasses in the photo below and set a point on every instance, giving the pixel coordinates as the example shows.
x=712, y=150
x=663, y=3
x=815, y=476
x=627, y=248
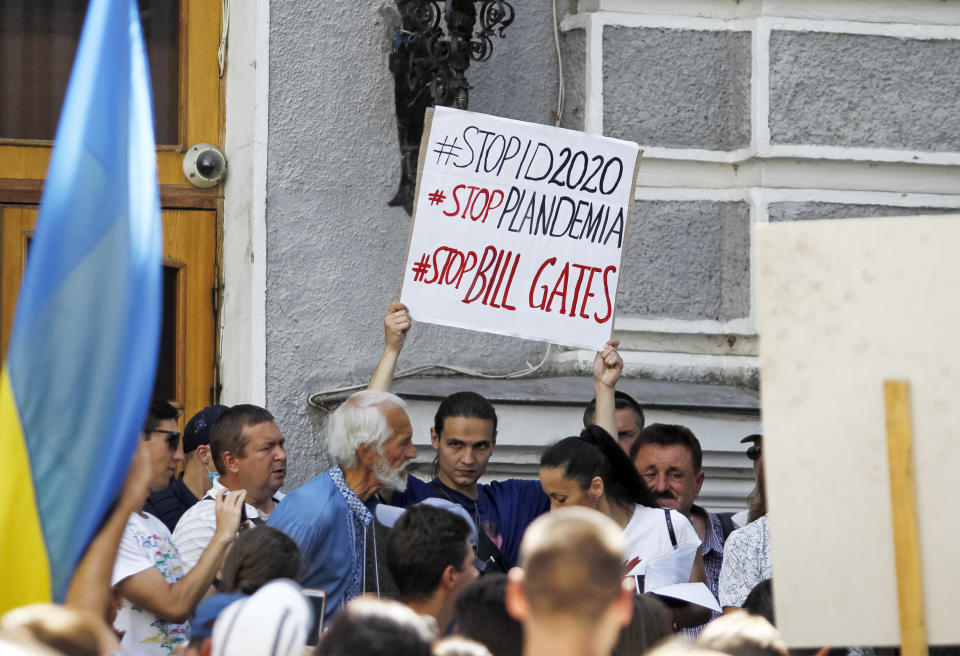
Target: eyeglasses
x=754, y=452
x=173, y=437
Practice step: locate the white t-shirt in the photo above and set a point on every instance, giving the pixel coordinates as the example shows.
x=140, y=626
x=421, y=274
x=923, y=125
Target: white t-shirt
x=147, y=543
x=647, y=536
x=196, y=527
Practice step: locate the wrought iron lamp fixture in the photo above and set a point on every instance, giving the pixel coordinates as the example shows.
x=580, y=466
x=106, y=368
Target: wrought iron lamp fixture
x=429, y=67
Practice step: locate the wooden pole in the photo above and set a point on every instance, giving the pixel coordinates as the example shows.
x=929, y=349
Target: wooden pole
x=906, y=539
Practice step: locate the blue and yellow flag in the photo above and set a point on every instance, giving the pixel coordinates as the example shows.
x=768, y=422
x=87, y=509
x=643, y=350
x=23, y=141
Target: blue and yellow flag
x=79, y=372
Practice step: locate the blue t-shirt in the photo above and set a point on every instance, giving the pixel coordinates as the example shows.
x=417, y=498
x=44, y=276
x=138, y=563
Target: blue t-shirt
x=505, y=509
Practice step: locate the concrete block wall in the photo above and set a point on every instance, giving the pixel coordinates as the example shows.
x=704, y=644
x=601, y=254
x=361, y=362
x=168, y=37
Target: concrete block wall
x=748, y=112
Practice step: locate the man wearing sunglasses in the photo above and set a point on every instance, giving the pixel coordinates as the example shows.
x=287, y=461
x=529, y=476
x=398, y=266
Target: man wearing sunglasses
x=183, y=492
x=755, y=453
x=158, y=596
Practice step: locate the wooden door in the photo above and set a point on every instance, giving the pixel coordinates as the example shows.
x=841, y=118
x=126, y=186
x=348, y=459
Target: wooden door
x=39, y=39
x=186, y=365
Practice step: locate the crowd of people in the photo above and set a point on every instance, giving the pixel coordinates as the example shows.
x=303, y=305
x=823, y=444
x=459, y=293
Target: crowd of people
x=607, y=553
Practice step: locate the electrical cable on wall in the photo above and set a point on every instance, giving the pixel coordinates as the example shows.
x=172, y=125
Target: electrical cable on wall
x=556, y=43
x=320, y=400
x=222, y=49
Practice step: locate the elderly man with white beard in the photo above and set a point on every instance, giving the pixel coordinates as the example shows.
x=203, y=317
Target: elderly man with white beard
x=370, y=439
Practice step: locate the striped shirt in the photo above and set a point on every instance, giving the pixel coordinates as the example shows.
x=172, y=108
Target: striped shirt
x=712, y=551
x=198, y=524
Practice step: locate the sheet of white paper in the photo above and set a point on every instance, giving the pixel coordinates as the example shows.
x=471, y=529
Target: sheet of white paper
x=695, y=593
x=519, y=229
x=669, y=568
x=842, y=306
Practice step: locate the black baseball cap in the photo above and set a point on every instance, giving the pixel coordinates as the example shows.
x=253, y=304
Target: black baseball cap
x=198, y=428
x=754, y=437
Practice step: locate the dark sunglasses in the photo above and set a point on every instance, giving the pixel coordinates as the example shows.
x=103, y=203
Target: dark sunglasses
x=173, y=437
x=754, y=452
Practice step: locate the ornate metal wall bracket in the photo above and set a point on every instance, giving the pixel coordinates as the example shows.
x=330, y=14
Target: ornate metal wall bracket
x=429, y=65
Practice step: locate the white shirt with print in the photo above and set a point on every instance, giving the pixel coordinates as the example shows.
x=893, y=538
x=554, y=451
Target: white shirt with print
x=147, y=543
x=746, y=562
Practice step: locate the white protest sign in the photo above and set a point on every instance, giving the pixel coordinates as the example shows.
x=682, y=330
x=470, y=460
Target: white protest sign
x=841, y=307
x=518, y=228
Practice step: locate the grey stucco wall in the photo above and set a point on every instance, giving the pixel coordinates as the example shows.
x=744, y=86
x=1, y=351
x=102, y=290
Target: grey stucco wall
x=573, y=49
x=520, y=78
x=798, y=211
x=864, y=91
x=334, y=249
x=677, y=88
x=687, y=260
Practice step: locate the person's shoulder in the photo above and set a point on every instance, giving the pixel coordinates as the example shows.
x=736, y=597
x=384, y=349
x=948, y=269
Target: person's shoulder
x=147, y=523
x=520, y=484
x=643, y=513
x=183, y=493
x=201, y=512
x=521, y=488
x=320, y=483
x=651, y=518
x=417, y=490
x=415, y=483
x=309, y=501
x=684, y=529
x=160, y=496
x=679, y=519
x=748, y=534
x=165, y=505
x=756, y=527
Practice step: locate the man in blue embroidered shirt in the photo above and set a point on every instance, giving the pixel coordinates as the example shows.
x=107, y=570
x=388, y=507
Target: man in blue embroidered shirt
x=370, y=439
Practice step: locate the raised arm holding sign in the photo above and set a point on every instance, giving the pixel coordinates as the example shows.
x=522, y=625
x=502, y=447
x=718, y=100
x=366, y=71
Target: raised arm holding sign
x=464, y=436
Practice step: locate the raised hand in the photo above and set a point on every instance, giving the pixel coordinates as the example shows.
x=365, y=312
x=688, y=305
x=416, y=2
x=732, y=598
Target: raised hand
x=228, y=510
x=608, y=365
x=396, y=323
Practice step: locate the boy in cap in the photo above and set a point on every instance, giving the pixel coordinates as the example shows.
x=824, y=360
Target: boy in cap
x=170, y=503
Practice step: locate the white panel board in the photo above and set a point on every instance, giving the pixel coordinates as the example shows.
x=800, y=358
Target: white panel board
x=519, y=228
x=842, y=306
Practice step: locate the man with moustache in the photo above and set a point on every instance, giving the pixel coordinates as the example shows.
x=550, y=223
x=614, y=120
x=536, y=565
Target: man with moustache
x=670, y=460
x=371, y=440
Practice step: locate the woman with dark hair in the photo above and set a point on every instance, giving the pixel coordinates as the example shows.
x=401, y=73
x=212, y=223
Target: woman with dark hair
x=592, y=470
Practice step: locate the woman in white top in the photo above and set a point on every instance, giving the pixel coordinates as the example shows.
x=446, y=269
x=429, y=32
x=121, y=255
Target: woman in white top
x=592, y=470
